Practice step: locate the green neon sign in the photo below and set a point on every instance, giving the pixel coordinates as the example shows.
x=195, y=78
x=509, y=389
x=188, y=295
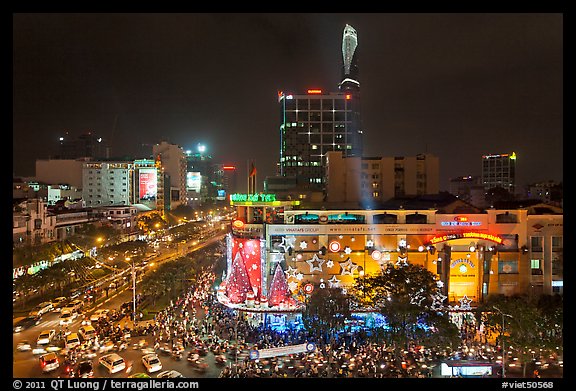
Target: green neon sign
x=252, y=197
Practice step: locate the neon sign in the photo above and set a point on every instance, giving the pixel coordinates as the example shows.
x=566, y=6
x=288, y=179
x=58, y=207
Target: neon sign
x=252, y=197
x=474, y=235
x=460, y=221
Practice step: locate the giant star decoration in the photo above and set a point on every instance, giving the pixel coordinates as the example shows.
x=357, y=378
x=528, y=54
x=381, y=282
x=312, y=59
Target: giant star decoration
x=287, y=242
x=348, y=267
x=290, y=272
x=402, y=261
x=314, y=260
x=465, y=303
x=438, y=298
x=334, y=282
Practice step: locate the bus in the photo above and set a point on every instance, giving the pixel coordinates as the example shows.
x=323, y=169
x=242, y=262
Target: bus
x=470, y=368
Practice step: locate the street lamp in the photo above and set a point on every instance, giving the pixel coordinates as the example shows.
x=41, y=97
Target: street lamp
x=133, y=292
x=503, y=343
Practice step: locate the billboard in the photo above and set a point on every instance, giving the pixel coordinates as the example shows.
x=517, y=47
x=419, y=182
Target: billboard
x=221, y=195
x=148, y=184
x=193, y=181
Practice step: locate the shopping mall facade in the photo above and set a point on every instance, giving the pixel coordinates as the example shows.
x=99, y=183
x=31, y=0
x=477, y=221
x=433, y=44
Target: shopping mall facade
x=493, y=251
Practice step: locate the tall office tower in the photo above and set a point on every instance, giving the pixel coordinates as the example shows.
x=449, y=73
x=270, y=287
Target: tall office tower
x=350, y=80
x=174, y=163
x=311, y=125
x=499, y=171
x=85, y=145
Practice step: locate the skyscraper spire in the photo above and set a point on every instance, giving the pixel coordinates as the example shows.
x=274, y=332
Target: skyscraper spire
x=350, y=60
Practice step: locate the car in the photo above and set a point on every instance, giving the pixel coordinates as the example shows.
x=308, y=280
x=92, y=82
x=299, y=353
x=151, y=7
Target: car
x=87, y=332
x=151, y=362
x=84, y=369
x=58, y=303
x=45, y=337
x=41, y=309
x=26, y=323
x=76, y=304
x=98, y=314
x=49, y=362
x=171, y=374
x=113, y=362
x=67, y=317
x=72, y=340
x=23, y=346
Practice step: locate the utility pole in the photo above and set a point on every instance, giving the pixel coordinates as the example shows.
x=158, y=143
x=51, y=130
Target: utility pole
x=503, y=343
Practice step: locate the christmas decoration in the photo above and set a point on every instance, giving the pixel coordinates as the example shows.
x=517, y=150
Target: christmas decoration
x=334, y=282
x=264, y=302
x=417, y=297
x=312, y=262
x=370, y=243
x=250, y=250
x=292, y=285
x=250, y=300
x=287, y=242
x=334, y=246
x=303, y=245
x=291, y=272
x=329, y=263
x=437, y=300
x=402, y=261
x=279, y=291
x=347, y=250
x=376, y=255
x=299, y=276
x=348, y=267
x=465, y=303
x=238, y=283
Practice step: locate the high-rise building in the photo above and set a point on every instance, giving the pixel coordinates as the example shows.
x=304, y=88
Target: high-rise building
x=311, y=125
x=174, y=163
x=350, y=79
x=499, y=171
x=85, y=145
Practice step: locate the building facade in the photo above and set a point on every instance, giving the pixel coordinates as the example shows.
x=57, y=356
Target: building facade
x=371, y=180
x=107, y=183
x=474, y=255
x=499, y=170
x=313, y=124
x=174, y=162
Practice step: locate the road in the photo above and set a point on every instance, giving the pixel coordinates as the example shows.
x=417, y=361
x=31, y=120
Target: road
x=26, y=364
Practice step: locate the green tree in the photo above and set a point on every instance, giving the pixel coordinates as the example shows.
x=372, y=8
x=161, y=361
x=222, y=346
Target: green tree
x=405, y=295
x=525, y=324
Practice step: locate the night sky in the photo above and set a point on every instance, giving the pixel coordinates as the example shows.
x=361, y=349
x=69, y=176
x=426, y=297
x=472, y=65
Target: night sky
x=458, y=86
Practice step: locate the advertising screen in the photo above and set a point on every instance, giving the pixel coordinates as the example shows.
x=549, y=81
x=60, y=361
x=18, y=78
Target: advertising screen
x=193, y=181
x=148, y=184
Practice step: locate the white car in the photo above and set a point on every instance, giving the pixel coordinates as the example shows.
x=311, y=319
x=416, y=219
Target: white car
x=67, y=317
x=171, y=374
x=41, y=309
x=45, y=337
x=23, y=346
x=151, y=362
x=98, y=314
x=113, y=362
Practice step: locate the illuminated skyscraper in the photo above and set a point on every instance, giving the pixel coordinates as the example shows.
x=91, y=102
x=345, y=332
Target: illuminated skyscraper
x=311, y=125
x=350, y=60
x=499, y=171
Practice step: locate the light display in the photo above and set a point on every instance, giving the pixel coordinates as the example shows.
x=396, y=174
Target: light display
x=279, y=291
x=348, y=267
x=315, y=263
x=238, y=283
x=250, y=251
